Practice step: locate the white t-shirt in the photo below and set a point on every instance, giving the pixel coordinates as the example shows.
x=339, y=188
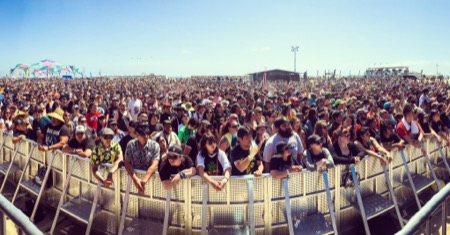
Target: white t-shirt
x=135, y=107
x=224, y=162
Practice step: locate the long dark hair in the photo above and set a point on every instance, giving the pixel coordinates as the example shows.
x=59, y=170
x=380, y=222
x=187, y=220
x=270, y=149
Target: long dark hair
x=207, y=138
x=361, y=132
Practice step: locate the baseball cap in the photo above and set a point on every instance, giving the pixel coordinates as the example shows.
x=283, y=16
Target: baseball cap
x=106, y=131
x=313, y=139
x=175, y=149
x=80, y=129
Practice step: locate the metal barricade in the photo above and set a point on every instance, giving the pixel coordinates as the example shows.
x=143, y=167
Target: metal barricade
x=141, y=226
x=9, y=167
x=258, y=211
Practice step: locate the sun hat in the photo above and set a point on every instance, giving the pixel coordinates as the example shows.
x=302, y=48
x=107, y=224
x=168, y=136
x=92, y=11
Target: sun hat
x=57, y=114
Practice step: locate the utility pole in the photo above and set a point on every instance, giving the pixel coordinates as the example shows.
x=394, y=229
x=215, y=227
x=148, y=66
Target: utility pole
x=295, y=50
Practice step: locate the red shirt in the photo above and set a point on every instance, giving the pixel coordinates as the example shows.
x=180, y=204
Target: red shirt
x=92, y=119
x=402, y=131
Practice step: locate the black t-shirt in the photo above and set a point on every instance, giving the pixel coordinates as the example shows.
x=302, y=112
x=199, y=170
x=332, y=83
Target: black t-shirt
x=437, y=126
x=87, y=143
x=237, y=154
x=389, y=141
x=158, y=127
x=426, y=128
x=124, y=142
x=166, y=170
x=193, y=143
x=53, y=133
x=277, y=163
x=444, y=119
x=28, y=133
x=340, y=158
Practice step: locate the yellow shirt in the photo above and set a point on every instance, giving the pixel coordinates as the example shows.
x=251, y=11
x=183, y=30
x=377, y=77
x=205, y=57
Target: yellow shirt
x=100, y=155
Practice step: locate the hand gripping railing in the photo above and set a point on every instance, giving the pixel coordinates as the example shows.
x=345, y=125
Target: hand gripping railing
x=424, y=214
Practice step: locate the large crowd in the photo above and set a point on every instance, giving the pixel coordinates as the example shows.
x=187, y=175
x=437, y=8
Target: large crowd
x=229, y=126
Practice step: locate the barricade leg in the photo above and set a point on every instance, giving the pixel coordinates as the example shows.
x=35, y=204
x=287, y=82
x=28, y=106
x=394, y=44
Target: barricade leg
x=251, y=206
x=63, y=194
x=94, y=206
x=394, y=199
x=43, y=184
x=166, y=213
x=288, y=206
x=125, y=206
x=11, y=162
x=204, y=207
x=359, y=199
x=411, y=183
x=444, y=159
x=23, y=173
x=330, y=202
x=427, y=159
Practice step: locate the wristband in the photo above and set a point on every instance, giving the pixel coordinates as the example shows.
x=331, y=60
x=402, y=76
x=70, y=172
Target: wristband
x=182, y=175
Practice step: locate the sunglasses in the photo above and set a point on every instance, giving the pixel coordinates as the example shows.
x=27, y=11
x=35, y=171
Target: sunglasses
x=172, y=156
x=83, y=121
x=234, y=126
x=108, y=137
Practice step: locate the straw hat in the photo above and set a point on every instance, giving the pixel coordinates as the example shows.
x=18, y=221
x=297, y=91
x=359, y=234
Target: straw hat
x=188, y=106
x=58, y=114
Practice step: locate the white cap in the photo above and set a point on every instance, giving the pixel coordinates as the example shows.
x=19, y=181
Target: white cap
x=80, y=129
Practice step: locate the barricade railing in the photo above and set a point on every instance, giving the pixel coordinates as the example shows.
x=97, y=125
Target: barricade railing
x=260, y=211
x=423, y=216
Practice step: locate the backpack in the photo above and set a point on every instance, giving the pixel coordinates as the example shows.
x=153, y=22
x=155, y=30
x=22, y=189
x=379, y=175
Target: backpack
x=40, y=175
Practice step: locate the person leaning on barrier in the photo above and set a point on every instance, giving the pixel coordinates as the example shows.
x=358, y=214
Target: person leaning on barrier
x=176, y=164
x=56, y=133
x=107, y=152
x=409, y=130
x=245, y=156
x=80, y=144
x=438, y=127
x=283, y=163
x=346, y=151
x=142, y=154
x=388, y=139
x=315, y=156
x=286, y=134
x=371, y=146
x=213, y=161
x=21, y=130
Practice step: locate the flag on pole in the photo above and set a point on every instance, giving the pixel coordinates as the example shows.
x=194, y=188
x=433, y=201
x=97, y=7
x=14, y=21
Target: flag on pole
x=264, y=86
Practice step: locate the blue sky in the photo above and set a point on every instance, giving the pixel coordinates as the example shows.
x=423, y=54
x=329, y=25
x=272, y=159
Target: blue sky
x=183, y=38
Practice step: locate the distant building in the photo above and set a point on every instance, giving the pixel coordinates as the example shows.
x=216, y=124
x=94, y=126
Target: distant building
x=275, y=75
